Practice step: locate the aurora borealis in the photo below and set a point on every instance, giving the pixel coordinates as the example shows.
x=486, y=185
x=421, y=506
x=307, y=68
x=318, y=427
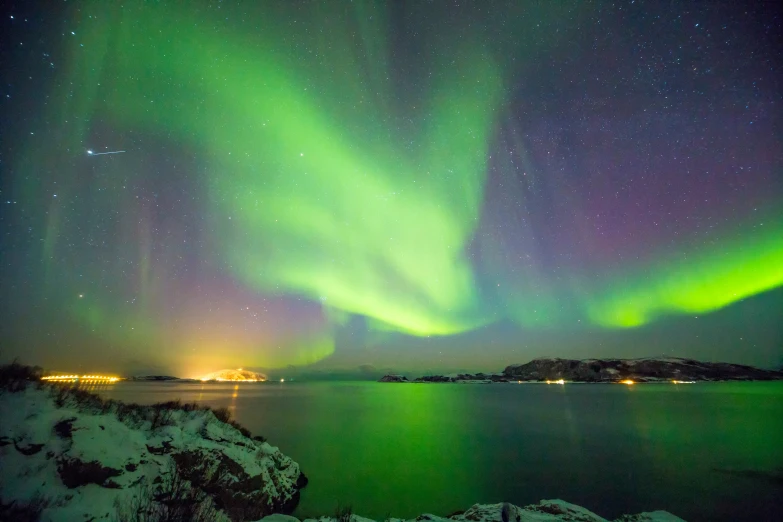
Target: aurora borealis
x=390, y=184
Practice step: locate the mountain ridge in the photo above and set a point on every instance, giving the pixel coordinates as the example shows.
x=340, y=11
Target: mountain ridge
x=610, y=370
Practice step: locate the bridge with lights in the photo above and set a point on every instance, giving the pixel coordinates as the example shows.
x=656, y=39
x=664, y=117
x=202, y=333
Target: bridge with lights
x=102, y=379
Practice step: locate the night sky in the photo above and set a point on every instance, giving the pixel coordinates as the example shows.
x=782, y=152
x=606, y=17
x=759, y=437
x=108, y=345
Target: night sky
x=417, y=186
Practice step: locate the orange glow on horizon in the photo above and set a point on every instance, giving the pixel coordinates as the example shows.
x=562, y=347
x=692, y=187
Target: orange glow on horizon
x=238, y=375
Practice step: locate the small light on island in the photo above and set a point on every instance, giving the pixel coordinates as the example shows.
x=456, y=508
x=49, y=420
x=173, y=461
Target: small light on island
x=282, y=380
x=238, y=375
x=683, y=382
x=627, y=381
x=559, y=381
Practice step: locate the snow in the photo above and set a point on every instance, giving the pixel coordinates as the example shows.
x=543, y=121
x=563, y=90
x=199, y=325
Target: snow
x=280, y=518
x=29, y=418
x=545, y=511
x=652, y=516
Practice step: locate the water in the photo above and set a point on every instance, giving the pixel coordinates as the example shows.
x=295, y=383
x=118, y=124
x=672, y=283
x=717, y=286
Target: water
x=707, y=451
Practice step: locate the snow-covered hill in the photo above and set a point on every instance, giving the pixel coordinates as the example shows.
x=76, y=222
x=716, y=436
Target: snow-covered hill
x=73, y=456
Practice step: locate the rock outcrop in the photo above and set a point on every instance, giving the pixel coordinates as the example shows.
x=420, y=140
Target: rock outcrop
x=544, y=511
x=78, y=457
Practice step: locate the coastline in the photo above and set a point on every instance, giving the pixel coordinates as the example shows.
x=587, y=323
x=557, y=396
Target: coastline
x=69, y=454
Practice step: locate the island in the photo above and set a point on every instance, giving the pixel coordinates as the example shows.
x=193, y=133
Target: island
x=625, y=371
x=160, y=378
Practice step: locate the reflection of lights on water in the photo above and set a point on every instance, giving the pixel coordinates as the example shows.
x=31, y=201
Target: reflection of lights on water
x=236, y=391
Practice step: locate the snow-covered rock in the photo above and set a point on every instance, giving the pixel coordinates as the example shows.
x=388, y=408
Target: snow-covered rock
x=544, y=511
x=79, y=457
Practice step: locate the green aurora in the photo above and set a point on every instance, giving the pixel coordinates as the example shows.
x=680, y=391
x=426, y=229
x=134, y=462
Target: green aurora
x=327, y=179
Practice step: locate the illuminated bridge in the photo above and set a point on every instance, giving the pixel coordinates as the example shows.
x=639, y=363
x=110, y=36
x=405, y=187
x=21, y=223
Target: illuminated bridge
x=96, y=379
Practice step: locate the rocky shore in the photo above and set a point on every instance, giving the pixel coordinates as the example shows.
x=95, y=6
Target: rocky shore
x=662, y=369
x=544, y=511
x=66, y=454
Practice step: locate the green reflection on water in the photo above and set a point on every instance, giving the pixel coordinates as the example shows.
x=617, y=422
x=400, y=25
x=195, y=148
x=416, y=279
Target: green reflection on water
x=707, y=451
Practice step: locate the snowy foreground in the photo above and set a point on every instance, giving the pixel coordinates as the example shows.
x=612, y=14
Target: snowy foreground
x=544, y=511
x=69, y=455
x=81, y=458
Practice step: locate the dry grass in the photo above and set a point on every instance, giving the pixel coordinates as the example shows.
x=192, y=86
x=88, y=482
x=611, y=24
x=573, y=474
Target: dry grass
x=174, y=499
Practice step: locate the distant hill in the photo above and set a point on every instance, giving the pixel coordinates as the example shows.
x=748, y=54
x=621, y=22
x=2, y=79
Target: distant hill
x=638, y=370
x=147, y=378
x=653, y=369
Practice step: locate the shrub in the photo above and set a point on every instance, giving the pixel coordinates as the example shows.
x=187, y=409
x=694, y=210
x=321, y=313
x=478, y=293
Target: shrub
x=222, y=414
x=173, y=499
x=244, y=431
x=82, y=399
x=86, y=401
x=259, y=438
x=24, y=512
x=14, y=377
x=176, y=404
x=60, y=396
x=343, y=514
x=193, y=406
x=161, y=417
x=124, y=411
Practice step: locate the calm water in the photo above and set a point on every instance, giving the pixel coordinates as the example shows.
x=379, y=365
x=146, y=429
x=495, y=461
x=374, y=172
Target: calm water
x=702, y=451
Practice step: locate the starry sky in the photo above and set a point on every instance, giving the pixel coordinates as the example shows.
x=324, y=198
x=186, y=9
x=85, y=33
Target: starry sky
x=363, y=186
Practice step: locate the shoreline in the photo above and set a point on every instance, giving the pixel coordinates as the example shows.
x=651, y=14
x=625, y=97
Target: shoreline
x=70, y=454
